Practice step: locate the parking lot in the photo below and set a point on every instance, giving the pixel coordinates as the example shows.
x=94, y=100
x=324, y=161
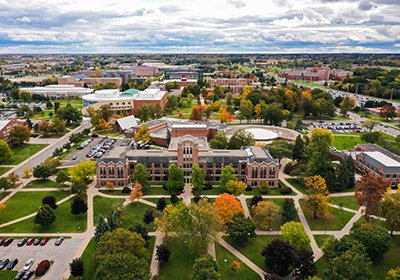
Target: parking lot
x=339, y=127
x=81, y=154
x=60, y=255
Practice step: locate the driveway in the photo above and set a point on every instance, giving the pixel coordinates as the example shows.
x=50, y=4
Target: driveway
x=61, y=255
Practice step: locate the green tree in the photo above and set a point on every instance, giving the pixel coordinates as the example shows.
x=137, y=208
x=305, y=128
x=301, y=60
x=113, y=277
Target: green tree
x=78, y=206
x=273, y=114
x=348, y=266
x=246, y=110
x=5, y=151
x=58, y=125
x=45, y=216
x=390, y=209
x=69, y=114
x=295, y=234
x=62, y=176
x=288, y=210
x=375, y=239
x=240, y=229
x=25, y=96
x=227, y=174
x=205, y=268
x=101, y=228
x=42, y=171
x=197, y=179
x=236, y=187
x=77, y=267
x=83, y=171
x=219, y=141
x=176, y=178
x=122, y=266
x=121, y=241
x=344, y=176
x=141, y=175
x=280, y=149
x=241, y=138
x=19, y=134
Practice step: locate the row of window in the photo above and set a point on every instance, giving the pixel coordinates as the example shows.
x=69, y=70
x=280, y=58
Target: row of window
x=111, y=172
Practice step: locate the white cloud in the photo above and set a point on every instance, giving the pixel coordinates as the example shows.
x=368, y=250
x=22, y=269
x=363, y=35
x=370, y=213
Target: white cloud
x=24, y=19
x=81, y=20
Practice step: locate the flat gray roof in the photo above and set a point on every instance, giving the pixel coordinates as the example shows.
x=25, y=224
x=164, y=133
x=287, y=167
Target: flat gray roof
x=383, y=159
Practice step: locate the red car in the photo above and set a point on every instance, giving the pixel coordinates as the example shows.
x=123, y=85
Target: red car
x=1, y=241
x=44, y=241
x=30, y=241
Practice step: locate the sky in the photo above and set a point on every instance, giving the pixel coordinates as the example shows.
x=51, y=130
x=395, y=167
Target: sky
x=199, y=26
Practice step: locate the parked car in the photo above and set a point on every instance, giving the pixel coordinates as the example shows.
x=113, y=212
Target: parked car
x=28, y=275
x=12, y=264
x=1, y=241
x=4, y=263
x=8, y=242
x=28, y=265
x=19, y=275
x=37, y=241
x=59, y=241
x=30, y=241
x=74, y=157
x=22, y=242
x=44, y=241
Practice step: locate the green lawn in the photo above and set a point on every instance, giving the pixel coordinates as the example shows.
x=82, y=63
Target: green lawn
x=3, y=194
x=23, y=152
x=154, y=200
x=156, y=191
x=134, y=213
x=224, y=260
x=43, y=184
x=7, y=274
x=346, y=142
x=297, y=185
x=346, y=201
x=104, y=206
x=88, y=258
x=4, y=170
x=180, y=263
x=378, y=269
x=65, y=222
x=25, y=203
x=114, y=192
x=336, y=221
x=320, y=239
x=254, y=247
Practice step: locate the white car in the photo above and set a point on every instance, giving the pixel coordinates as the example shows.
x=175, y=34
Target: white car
x=28, y=265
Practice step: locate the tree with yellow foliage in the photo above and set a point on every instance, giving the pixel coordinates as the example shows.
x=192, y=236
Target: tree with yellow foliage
x=136, y=192
x=265, y=214
x=2, y=206
x=317, y=199
x=103, y=125
x=225, y=116
x=143, y=134
x=27, y=172
x=235, y=187
x=259, y=110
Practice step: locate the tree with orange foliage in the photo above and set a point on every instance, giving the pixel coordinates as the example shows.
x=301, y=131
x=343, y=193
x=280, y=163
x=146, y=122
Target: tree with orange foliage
x=2, y=206
x=110, y=185
x=226, y=206
x=197, y=113
x=370, y=189
x=225, y=116
x=104, y=125
x=136, y=193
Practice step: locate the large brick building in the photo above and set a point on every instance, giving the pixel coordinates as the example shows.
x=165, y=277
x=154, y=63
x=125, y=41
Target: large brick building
x=6, y=125
x=254, y=165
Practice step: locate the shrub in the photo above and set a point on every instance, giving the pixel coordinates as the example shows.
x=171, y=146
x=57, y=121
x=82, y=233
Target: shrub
x=285, y=190
x=174, y=198
x=126, y=190
x=207, y=186
x=264, y=188
x=371, y=137
x=249, y=188
x=50, y=200
x=255, y=199
x=161, y=204
x=148, y=217
x=197, y=198
x=42, y=268
x=163, y=253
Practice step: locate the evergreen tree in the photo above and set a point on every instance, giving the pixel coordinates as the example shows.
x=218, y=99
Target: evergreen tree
x=45, y=216
x=50, y=200
x=77, y=267
x=352, y=171
x=163, y=253
x=161, y=204
x=299, y=149
x=288, y=211
x=148, y=217
x=343, y=175
x=101, y=228
x=142, y=231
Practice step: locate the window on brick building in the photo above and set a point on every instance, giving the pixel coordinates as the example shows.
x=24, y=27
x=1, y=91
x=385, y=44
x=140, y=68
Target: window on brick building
x=272, y=172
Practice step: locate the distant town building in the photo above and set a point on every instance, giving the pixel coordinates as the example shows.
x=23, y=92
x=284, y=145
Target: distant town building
x=373, y=158
x=127, y=101
x=125, y=75
x=58, y=90
x=6, y=125
x=145, y=71
x=99, y=81
x=316, y=74
x=254, y=165
x=183, y=74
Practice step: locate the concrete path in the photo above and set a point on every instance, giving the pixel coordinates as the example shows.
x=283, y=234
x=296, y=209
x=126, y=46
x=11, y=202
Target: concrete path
x=242, y=257
x=155, y=264
x=242, y=199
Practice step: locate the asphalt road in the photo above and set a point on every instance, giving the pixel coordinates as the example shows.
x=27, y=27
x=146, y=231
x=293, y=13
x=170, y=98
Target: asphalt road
x=41, y=156
x=61, y=255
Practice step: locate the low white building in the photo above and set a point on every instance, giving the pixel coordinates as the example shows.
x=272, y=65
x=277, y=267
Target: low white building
x=59, y=90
